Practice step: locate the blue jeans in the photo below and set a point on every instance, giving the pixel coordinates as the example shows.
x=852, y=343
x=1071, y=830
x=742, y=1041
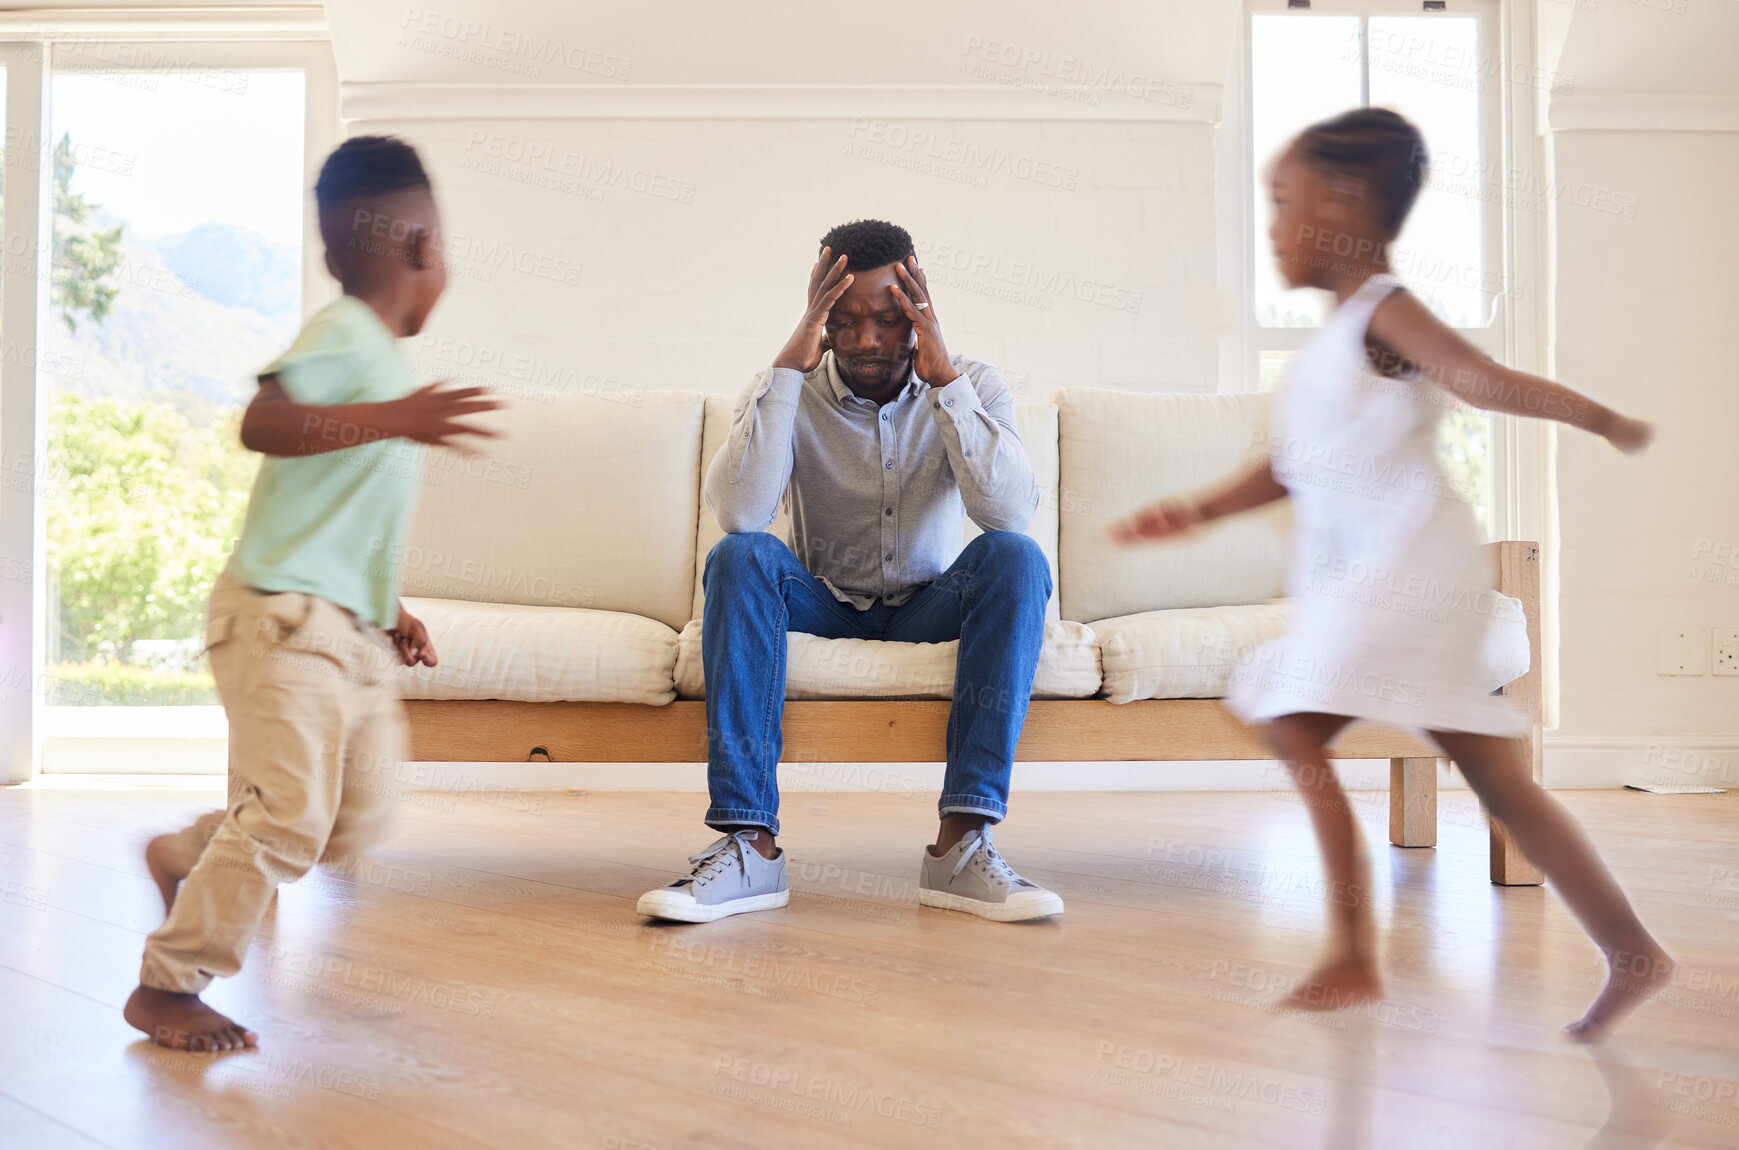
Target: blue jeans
x=992, y=599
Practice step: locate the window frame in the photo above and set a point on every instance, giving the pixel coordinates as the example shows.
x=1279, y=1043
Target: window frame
x=289, y=38
x=1523, y=490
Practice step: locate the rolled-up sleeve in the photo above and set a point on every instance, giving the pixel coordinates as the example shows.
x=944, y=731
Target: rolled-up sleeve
x=748, y=477
x=975, y=415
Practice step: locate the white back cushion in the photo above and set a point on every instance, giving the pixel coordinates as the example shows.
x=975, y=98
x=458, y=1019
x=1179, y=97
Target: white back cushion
x=1122, y=450
x=716, y=429
x=587, y=501
x=1037, y=423
x=1038, y=432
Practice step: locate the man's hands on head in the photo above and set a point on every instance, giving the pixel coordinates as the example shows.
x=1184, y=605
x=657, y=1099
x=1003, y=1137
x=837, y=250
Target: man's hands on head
x=827, y=282
x=930, y=357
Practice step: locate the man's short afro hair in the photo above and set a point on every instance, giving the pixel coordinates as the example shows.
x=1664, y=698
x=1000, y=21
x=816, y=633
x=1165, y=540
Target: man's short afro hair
x=869, y=244
x=364, y=167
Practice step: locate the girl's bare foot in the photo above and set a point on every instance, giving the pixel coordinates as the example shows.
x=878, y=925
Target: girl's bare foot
x=183, y=1022
x=1631, y=979
x=168, y=882
x=1344, y=982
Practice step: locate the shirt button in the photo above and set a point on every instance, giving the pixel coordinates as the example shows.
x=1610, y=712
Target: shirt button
x=889, y=557
x=949, y=402
x=889, y=511
x=889, y=465
x=969, y=453
x=937, y=406
x=884, y=417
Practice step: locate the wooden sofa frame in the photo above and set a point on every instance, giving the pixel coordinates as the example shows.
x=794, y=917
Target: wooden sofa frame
x=913, y=730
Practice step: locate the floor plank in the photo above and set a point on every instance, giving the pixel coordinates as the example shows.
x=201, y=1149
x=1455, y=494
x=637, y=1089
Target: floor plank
x=483, y=981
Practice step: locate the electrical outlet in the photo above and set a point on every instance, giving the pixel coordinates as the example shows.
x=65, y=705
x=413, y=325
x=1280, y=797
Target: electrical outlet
x=1725, y=651
x=1684, y=651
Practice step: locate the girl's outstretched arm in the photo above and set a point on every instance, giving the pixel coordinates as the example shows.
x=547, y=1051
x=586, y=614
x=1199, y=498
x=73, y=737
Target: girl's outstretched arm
x=1172, y=516
x=1404, y=324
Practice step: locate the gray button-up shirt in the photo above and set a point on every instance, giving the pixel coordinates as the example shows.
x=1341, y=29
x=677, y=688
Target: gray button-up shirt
x=877, y=494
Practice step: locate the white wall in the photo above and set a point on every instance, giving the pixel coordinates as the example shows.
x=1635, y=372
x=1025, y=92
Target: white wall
x=665, y=192
x=698, y=151
x=1643, y=304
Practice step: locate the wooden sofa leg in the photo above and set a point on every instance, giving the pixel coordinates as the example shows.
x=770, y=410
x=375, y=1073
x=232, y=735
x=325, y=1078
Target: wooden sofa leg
x=1413, y=802
x=1509, y=867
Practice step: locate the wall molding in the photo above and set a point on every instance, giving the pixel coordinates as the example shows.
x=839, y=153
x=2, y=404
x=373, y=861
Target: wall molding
x=395, y=101
x=1579, y=761
x=1609, y=110
x=205, y=22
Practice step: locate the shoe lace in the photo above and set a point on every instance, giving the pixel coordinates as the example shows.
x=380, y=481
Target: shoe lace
x=992, y=861
x=718, y=857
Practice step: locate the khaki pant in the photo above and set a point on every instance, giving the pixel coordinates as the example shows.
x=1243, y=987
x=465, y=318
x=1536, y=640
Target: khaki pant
x=316, y=730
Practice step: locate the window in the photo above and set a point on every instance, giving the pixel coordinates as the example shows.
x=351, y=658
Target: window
x=166, y=245
x=1443, y=70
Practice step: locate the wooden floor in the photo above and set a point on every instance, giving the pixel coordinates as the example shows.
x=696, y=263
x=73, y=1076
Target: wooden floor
x=486, y=983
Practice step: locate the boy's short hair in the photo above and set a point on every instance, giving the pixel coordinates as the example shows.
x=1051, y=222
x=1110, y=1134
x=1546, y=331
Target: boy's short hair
x=869, y=244
x=365, y=167
x=1377, y=146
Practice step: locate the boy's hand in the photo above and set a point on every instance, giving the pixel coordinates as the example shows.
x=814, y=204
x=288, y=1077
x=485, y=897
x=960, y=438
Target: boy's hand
x=930, y=357
x=1158, y=521
x=1630, y=436
x=435, y=415
x=411, y=639
x=827, y=282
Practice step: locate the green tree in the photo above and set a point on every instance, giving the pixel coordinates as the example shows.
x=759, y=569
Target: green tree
x=142, y=507
x=84, y=257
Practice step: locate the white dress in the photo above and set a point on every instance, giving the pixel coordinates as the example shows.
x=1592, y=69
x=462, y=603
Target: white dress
x=1393, y=616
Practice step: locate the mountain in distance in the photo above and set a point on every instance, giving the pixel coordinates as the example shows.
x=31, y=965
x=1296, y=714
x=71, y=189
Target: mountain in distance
x=196, y=316
x=237, y=268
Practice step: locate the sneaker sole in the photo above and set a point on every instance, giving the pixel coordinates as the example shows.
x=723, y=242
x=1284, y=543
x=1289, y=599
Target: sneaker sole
x=683, y=908
x=1041, y=906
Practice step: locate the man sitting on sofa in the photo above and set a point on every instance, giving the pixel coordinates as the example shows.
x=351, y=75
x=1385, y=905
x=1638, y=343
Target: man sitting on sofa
x=880, y=441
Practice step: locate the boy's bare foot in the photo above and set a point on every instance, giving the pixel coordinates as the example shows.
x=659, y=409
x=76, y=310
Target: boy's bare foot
x=183, y=1022
x=1631, y=979
x=168, y=882
x=1345, y=982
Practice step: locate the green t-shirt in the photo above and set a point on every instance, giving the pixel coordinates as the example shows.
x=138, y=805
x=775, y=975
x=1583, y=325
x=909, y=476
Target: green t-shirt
x=334, y=524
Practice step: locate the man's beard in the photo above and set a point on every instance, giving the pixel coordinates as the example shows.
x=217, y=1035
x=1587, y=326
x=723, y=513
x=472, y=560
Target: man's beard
x=873, y=372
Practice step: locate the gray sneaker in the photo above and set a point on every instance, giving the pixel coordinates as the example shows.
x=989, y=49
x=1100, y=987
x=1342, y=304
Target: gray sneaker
x=729, y=877
x=974, y=878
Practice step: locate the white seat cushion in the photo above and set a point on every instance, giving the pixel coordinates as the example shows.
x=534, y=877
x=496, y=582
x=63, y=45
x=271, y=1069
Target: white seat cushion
x=818, y=668
x=1182, y=654
x=542, y=654
x=1123, y=450
x=1190, y=653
